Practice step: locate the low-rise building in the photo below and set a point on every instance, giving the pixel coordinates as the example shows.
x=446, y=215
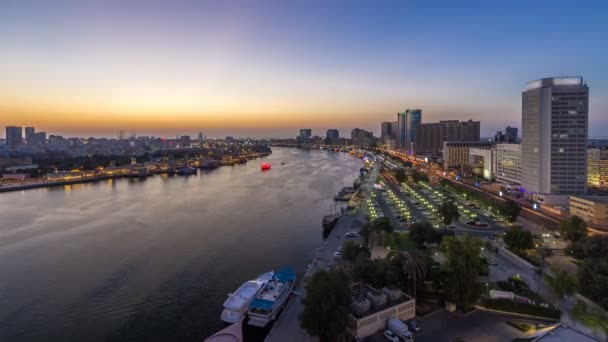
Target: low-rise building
x=457, y=154
x=372, y=308
x=483, y=160
x=592, y=209
x=508, y=163
x=597, y=167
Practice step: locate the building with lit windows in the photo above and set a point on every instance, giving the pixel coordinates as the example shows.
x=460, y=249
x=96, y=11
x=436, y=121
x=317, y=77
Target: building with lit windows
x=597, y=167
x=508, y=163
x=554, y=136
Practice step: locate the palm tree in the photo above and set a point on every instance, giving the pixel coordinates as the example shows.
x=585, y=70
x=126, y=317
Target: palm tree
x=416, y=264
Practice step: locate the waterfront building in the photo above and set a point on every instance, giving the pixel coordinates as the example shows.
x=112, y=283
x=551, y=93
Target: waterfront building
x=386, y=132
x=305, y=135
x=361, y=138
x=431, y=136
x=333, y=136
x=372, y=308
x=554, y=136
x=508, y=163
x=14, y=135
x=597, y=167
x=592, y=209
x=457, y=154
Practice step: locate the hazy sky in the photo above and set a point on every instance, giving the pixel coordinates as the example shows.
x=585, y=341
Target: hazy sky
x=267, y=68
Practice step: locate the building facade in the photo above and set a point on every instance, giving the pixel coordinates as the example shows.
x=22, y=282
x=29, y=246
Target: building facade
x=431, y=136
x=361, y=138
x=28, y=133
x=14, y=135
x=597, y=167
x=592, y=209
x=554, y=136
x=509, y=136
x=332, y=137
x=484, y=159
x=457, y=154
x=401, y=118
x=305, y=135
x=386, y=132
x=508, y=163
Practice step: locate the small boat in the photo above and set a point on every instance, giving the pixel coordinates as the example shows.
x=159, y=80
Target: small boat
x=330, y=221
x=237, y=304
x=185, y=171
x=209, y=164
x=265, y=166
x=270, y=299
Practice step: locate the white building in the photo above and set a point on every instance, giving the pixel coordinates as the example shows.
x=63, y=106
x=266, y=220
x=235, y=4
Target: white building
x=508, y=163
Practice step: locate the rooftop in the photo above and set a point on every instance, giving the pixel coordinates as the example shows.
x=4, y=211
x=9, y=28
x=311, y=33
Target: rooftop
x=563, y=333
x=555, y=81
x=596, y=199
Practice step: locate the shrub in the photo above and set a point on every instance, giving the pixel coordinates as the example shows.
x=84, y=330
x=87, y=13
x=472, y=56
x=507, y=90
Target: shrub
x=521, y=308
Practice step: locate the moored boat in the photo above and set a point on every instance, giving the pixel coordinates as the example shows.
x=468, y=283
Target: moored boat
x=237, y=304
x=270, y=299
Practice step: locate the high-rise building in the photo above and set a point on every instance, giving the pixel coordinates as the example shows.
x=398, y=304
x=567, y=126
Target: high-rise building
x=401, y=129
x=333, y=136
x=413, y=118
x=28, y=132
x=431, y=136
x=407, y=124
x=597, y=167
x=305, y=135
x=554, y=136
x=14, y=135
x=385, y=132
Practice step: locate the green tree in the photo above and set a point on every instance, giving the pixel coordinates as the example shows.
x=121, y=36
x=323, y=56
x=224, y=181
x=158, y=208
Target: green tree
x=382, y=224
x=423, y=232
x=449, y=211
x=573, y=228
x=562, y=283
x=365, y=231
x=407, y=163
x=519, y=239
x=593, y=280
x=509, y=209
x=415, y=264
x=350, y=251
x=326, y=306
x=595, y=246
x=400, y=176
x=462, y=268
x=444, y=183
x=370, y=271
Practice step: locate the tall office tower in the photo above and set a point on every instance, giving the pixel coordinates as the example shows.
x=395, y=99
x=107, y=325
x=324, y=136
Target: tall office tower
x=385, y=132
x=361, y=138
x=401, y=131
x=305, y=135
x=413, y=118
x=431, y=136
x=597, y=167
x=333, y=136
x=14, y=135
x=28, y=132
x=38, y=138
x=554, y=136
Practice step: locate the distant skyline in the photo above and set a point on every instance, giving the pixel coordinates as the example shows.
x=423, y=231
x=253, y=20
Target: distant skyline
x=269, y=68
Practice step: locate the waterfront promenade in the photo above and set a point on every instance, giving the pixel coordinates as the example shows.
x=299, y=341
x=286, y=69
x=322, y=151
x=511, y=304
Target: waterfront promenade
x=287, y=327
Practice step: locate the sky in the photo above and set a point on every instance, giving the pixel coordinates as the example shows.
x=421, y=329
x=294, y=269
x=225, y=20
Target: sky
x=267, y=68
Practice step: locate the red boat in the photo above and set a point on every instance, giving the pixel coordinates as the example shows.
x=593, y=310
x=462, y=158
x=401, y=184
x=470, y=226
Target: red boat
x=265, y=166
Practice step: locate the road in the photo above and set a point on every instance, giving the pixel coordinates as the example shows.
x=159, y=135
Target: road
x=287, y=327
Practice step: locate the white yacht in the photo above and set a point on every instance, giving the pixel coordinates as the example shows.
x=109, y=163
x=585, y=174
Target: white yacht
x=270, y=299
x=237, y=304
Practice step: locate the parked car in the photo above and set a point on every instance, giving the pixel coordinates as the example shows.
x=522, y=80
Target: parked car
x=390, y=336
x=413, y=326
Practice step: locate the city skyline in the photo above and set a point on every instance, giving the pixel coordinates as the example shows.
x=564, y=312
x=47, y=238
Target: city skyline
x=267, y=70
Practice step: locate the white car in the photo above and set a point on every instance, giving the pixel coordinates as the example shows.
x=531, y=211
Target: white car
x=337, y=254
x=391, y=336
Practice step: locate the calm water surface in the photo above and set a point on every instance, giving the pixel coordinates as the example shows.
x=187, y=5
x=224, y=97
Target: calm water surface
x=153, y=260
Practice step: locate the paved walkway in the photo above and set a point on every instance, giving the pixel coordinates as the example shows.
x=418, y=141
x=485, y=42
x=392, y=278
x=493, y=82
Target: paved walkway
x=287, y=327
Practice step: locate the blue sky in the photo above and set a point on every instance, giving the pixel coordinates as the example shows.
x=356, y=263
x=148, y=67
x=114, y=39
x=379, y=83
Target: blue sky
x=270, y=67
